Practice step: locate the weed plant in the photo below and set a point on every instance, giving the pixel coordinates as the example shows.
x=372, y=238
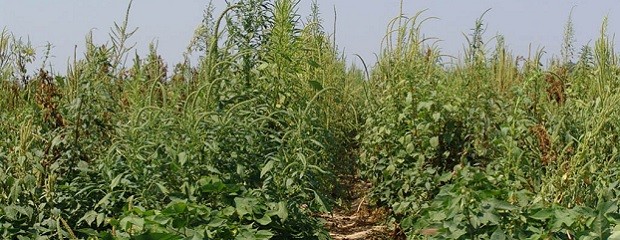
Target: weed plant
x=249, y=142
x=494, y=146
x=241, y=146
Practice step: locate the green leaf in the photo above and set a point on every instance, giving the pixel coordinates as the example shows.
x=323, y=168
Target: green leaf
x=425, y=105
x=282, y=211
x=436, y=116
x=615, y=235
x=409, y=98
x=320, y=203
x=26, y=211
x=175, y=208
x=457, y=233
x=263, y=66
x=246, y=233
x=162, y=188
x=607, y=207
x=263, y=234
x=115, y=181
x=316, y=85
x=489, y=217
x=265, y=220
x=313, y=63
x=89, y=217
x=182, y=158
x=242, y=206
x=159, y=219
x=503, y=205
x=410, y=148
x=132, y=222
x=228, y=211
x=10, y=212
x=159, y=236
x=100, y=219
x=434, y=141
x=88, y=231
x=498, y=235
x=563, y=217
x=544, y=214
x=266, y=168
x=213, y=187
x=400, y=207
x=56, y=141
x=216, y=222
x=445, y=177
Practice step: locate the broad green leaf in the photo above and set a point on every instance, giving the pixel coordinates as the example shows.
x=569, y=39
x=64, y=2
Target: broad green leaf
x=615, y=236
x=425, y=105
x=159, y=236
x=503, y=205
x=89, y=217
x=563, y=217
x=498, y=235
x=228, y=211
x=410, y=148
x=241, y=170
x=242, y=206
x=132, y=222
x=246, y=234
x=445, y=177
x=607, y=207
x=182, y=158
x=159, y=219
x=175, y=208
x=316, y=85
x=100, y=219
x=26, y=211
x=489, y=217
x=543, y=214
x=213, y=187
x=401, y=207
x=289, y=182
x=282, y=211
x=457, y=233
x=216, y=222
x=56, y=141
x=10, y=212
x=265, y=220
x=263, y=234
x=434, y=141
x=436, y=116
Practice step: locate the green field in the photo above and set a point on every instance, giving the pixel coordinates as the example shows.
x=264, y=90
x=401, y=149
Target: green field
x=257, y=138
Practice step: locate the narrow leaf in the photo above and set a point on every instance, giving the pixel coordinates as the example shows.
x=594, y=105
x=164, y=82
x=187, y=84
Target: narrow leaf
x=266, y=168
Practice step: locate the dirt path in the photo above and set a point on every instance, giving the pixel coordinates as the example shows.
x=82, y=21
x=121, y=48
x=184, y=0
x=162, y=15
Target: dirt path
x=354, y=219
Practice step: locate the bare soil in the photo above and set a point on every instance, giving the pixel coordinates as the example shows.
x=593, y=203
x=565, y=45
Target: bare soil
x=355, y=218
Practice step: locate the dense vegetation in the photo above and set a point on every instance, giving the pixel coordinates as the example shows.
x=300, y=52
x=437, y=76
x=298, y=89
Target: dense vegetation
x=248, y=143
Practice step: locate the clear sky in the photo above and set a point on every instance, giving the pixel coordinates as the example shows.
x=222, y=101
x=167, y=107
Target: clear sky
x=360, y=25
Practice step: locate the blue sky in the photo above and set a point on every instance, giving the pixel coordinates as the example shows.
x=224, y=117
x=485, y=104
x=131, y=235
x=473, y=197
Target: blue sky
x=360, y=25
